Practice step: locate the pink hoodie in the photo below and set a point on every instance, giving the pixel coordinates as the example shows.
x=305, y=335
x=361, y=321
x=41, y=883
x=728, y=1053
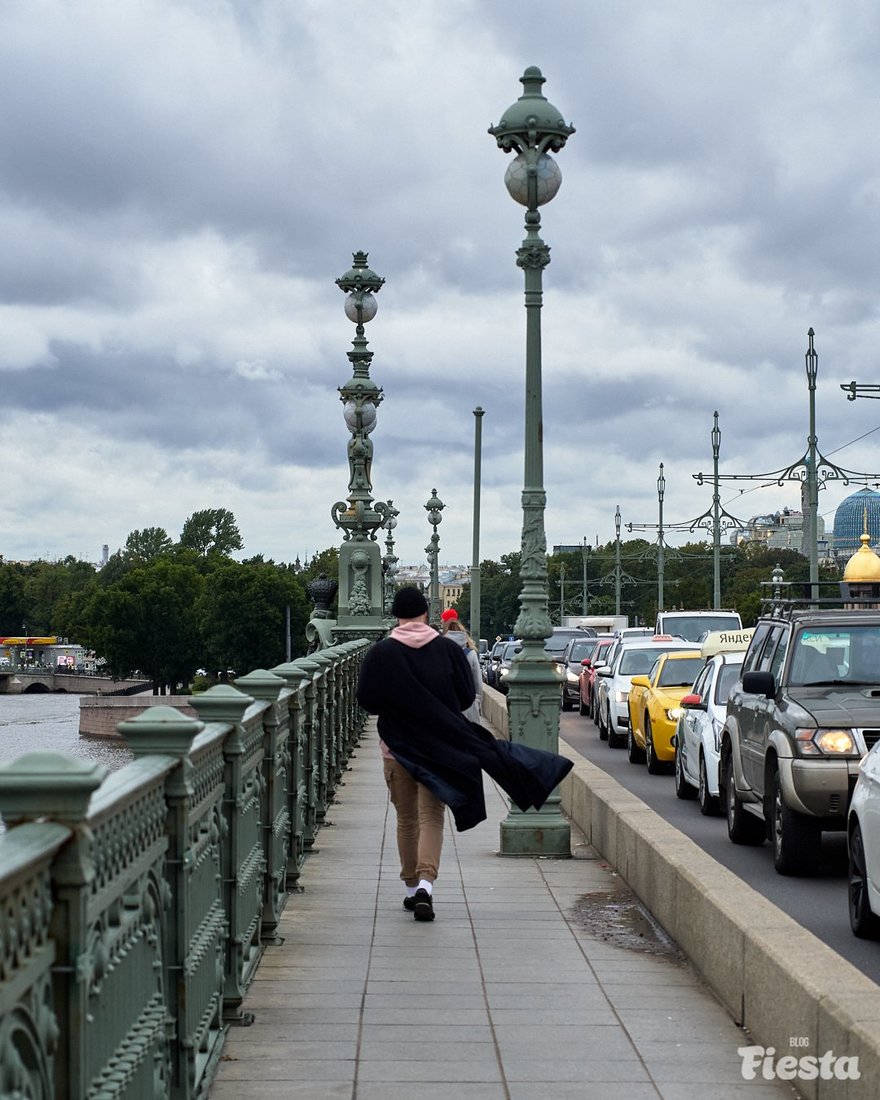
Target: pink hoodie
x=414, y=635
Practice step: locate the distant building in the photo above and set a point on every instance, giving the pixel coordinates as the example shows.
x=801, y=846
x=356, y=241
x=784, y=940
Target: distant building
x=785, y=530
x=858, y=514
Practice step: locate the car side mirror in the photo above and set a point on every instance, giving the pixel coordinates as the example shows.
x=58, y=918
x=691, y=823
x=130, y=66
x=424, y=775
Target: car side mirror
x=694, y=702
x=759, y=683
x=586, y=662
x=603, y=670
x=641, y=681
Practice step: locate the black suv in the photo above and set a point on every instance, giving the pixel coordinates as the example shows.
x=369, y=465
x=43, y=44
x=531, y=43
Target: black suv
x=805, y=711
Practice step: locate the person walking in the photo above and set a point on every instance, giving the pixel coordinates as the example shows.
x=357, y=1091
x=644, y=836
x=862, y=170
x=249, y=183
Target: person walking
x=418, y=683
x=453, y=628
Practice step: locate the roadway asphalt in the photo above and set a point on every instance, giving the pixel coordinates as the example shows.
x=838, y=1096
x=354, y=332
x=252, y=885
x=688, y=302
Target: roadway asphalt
x=819, y=903
x=519, y=990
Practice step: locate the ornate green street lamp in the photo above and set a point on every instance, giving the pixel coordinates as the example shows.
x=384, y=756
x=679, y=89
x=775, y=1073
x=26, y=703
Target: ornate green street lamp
x=434, y=506
x=531, y=129
x=389, y=558
x=361, y=597
x=475, y=554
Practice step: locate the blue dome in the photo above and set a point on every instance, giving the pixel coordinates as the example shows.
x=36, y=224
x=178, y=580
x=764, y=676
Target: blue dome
x=849, y=521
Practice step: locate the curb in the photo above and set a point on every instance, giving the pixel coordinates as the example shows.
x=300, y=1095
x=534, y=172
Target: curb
x=776, y=979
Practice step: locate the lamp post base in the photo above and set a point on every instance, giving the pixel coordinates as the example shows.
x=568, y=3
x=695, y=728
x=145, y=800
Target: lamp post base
x=536, y=833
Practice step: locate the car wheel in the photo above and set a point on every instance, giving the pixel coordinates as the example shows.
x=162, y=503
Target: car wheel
x=708, y=802
x=682, y=788
x=615, y=740
x=567, y=704
x=633, y=752
x=582, y=710
x=742, y=827
x=656, y=766
x=603, y=728
x=864, y=923
x=796, y=838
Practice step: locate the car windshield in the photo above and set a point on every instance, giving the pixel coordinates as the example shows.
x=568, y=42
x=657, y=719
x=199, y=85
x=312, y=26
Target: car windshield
x=725, y=680
x=556, y=643
x=823, y=655
x=509, y=650
x=693, y=627
x=680, y=672
x=580, y=650
x=636, y=662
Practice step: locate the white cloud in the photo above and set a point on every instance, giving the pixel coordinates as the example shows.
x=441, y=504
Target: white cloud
x=181, y=184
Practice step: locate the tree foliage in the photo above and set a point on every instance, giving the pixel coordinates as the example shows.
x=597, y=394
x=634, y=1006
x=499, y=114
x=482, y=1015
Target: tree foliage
x=211, y=531
x=170, y=608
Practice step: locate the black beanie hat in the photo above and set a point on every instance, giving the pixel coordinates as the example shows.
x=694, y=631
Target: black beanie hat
x=409, y=603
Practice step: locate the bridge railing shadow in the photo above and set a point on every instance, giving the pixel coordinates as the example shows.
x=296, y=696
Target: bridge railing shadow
x=135, y=907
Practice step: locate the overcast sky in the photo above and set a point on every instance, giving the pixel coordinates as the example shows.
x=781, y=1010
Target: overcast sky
x=181, y=182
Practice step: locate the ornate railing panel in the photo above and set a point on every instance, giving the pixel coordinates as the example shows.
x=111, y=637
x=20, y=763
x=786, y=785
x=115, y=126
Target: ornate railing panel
x=133, y=913
x=29, y=1029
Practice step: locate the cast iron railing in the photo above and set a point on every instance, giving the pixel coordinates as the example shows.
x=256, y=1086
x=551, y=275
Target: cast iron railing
x=134, y=907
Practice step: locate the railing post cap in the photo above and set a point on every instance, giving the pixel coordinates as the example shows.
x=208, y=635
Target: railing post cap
x=221, y=703
x=164, y=730
x=292, y=673
x=48, y=784
x=261, y=684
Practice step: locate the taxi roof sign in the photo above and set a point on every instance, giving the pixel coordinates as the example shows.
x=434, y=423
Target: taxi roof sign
x=726, y=641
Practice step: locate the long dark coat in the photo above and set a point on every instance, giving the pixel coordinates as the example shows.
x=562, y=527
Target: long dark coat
x=418, y=695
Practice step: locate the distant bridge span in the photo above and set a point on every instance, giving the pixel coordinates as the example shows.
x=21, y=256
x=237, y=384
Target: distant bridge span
x=32, y=681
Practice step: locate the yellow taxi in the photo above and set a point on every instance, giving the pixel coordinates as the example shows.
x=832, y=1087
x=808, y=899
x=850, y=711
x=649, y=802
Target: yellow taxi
x=654, y=708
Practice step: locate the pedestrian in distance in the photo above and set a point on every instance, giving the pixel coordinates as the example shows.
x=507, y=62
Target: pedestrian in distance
x=453, y=628
x=418, y=683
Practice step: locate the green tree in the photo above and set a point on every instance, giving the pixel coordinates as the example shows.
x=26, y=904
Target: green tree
x=500, y=587
x=242, y=617
x=47, y=586
x=12, y=599
x=213, y=530
x=147, y=620
x=147, y=544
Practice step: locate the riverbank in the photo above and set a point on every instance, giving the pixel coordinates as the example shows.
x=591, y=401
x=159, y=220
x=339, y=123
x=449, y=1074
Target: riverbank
x=100, y=716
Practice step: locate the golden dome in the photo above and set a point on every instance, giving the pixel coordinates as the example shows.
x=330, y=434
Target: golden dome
x=864, y=566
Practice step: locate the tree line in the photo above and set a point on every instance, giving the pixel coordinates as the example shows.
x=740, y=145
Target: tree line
x=168, y=608
x=688, y=582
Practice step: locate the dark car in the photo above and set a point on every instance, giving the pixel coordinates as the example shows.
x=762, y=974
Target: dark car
x=804, y=712
x=571, y=666
x=490, y=663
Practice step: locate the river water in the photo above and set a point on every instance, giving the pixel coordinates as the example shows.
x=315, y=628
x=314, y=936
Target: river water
x=50, y=723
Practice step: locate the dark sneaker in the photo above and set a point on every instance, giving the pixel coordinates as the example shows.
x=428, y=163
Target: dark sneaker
x=423, y=909
x=409, y=904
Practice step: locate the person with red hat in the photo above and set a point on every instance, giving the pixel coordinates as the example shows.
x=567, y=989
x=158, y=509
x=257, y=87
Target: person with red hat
x=453, y=628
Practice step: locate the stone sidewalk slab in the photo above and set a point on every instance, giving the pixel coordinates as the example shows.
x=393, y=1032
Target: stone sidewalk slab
x=520, y=989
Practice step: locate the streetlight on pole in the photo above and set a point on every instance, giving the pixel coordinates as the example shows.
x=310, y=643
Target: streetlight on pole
x=434, y=507
x=585, y=551
x=617, y=569
x=561, y=592
x=812, y=472
x=389, y=558
x=361, y=597
x=475, y=556
x=661, y=556
x=661, y=548
x=530, y=128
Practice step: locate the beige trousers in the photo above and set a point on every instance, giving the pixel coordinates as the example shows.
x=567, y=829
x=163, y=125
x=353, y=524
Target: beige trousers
x=420, y=817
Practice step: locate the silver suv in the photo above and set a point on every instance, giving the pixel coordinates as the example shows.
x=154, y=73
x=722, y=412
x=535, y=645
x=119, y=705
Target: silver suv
x=799, y=720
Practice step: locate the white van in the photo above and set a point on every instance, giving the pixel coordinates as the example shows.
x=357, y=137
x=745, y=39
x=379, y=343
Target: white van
x=694, y=625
